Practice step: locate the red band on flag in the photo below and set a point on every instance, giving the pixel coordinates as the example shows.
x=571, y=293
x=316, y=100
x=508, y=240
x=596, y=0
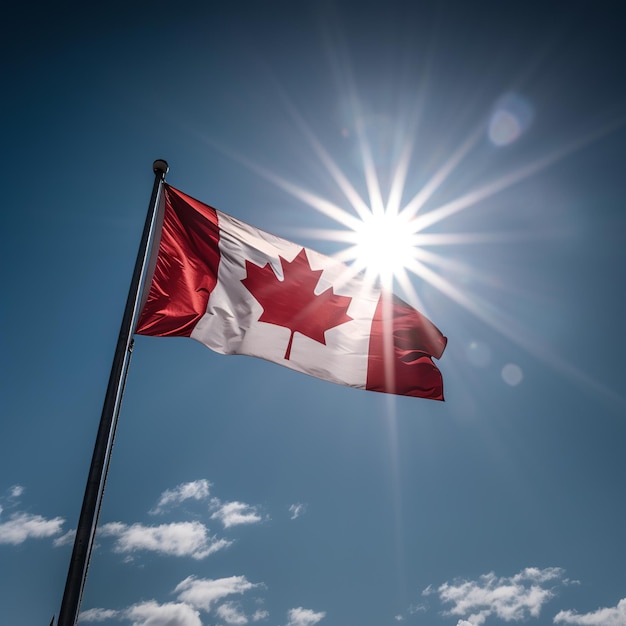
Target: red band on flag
x=186, y=269
x=402, y=342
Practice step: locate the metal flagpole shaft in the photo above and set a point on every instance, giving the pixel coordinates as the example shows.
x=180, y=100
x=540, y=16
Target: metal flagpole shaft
x=94, y=490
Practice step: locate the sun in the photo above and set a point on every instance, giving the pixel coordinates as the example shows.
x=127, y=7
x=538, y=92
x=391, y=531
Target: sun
x=383, y=244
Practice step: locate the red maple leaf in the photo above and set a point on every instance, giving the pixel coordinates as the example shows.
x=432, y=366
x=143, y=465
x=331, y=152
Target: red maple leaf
x=292, y=302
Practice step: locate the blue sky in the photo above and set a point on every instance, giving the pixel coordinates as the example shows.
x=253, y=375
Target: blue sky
x=245, y=493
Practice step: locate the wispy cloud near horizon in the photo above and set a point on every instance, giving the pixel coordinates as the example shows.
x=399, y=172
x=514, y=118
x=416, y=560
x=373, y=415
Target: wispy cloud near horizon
x=297, y=510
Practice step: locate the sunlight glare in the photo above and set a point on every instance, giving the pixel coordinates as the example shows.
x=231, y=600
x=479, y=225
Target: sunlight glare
x=383, y=244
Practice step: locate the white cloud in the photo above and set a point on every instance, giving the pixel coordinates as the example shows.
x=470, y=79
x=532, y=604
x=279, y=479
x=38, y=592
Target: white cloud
x=16, y=491
x=534, y=574
x=176, y=539
x=194, y=595
x=510, y=599
x=65, y=539
x=234, y=513
x=304, y=617
x=97, y=615
x=231, y=614
x=11, y=499
x=297, y=510
x=201, y=593
x=612, y=616
x=171, y=614
x=148, y=613
x=23, y=526
x=195, y=490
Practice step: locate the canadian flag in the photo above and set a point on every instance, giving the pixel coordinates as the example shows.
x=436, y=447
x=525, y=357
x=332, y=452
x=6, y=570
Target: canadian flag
x=240, y=290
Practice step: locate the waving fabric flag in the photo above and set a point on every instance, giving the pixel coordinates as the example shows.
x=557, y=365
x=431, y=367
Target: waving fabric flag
x=240, y=290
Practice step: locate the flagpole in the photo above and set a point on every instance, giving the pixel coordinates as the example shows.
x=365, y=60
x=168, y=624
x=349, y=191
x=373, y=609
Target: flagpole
x=94, y=490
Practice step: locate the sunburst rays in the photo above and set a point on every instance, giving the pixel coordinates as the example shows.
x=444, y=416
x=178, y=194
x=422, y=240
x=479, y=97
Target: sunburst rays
x=388, y=240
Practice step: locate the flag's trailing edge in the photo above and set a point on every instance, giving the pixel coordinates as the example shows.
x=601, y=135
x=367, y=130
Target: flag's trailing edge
x=240, y=290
